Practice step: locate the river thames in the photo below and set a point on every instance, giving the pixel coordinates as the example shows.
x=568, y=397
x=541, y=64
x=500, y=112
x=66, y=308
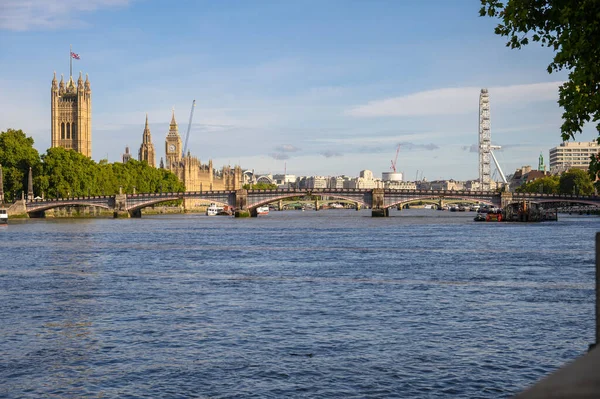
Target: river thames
x=331, y=304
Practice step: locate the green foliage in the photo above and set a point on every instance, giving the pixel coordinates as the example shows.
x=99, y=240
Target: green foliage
x=594, y=171
x=260, y=186
x=66, y=173
x=545, y=185
x=17, y=155
x=572, y=30
x=576, y=181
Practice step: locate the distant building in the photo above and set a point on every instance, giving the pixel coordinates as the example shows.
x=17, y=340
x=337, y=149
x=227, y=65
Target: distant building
x=572, y=155
x=336, y=182
x=316, y=182
x=525, y=175
x=391, y=176
x=366, y=174
x=127, y=155
x=400, y=185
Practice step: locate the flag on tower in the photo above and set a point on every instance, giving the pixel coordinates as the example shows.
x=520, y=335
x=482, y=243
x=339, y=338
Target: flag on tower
x=74, y=55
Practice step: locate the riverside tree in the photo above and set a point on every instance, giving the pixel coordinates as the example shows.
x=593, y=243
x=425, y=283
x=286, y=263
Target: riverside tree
x=66, y=173
x=571, y=29
x=17, y=155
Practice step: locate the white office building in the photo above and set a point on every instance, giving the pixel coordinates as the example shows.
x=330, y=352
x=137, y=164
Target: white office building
x=574, y=154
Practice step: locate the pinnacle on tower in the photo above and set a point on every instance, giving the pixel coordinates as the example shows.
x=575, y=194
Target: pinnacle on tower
x=146, y=121
x=173, y=122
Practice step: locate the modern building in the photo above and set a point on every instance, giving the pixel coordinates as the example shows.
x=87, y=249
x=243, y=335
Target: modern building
x=71, y=114
x=146, y=152
x=574, y=154
x=391, y=176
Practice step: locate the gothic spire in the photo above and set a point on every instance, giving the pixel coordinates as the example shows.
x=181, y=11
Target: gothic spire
x=173, y=123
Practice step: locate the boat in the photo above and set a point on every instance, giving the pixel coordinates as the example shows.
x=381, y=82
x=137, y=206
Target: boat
x=262, y=210
x=479, y=218
x=3, y=216
x=213, y=209
x=494, y=215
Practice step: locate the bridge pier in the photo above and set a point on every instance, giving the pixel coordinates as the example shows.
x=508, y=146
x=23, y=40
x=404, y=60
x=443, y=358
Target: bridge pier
x=316, y=205
x=121, y=215
x=136, y=213
x=382, y=212
x=280, y=205
x=240, y=213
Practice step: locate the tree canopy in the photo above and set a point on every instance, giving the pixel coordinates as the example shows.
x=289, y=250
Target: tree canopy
x=66, y=173
x=17, y=155
x=576, y=181
x=571, y=29
x=544, y=185
x=260, y=186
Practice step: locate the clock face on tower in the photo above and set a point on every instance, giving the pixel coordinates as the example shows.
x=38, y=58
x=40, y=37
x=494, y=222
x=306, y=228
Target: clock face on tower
x=172, y=148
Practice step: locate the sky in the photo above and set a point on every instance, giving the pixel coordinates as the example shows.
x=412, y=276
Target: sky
x=308, y=87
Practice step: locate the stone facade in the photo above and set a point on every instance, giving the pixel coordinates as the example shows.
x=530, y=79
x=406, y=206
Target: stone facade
x=71, y=115
x=194, y=175
x=146, y=152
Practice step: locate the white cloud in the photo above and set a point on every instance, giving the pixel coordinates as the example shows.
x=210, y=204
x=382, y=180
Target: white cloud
x=22, y=15
x=450, y=101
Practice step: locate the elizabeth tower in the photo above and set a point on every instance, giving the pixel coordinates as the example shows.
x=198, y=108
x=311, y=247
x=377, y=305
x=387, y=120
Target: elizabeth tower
x=71, y=113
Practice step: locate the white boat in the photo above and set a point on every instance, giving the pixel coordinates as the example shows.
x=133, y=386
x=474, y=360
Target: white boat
x=262, y=210
x=3, y=216
x=213, y=209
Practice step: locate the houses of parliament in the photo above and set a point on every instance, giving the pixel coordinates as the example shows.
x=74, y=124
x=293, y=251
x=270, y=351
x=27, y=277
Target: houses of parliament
x=71, y=128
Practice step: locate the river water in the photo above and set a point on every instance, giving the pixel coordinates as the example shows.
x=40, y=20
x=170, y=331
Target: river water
x=294, y=304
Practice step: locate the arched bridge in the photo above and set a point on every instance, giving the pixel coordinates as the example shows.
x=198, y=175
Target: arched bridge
x=379, y=200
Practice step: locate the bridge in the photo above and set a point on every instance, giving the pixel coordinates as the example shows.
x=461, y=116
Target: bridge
x=379, y=200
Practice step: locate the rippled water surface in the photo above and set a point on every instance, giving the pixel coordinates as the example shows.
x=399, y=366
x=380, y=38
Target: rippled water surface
x=295, y=304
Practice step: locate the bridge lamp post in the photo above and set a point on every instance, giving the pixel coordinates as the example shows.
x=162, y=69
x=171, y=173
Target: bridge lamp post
x=134, y=189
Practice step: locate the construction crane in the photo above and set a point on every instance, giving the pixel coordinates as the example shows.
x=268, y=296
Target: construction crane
x=393, y=167
x=187, y=135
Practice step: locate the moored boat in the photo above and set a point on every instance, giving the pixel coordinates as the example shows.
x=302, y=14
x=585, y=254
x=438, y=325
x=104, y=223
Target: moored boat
x=213, y=209
x=3, y=216
x=262, y=210
x=479, y=218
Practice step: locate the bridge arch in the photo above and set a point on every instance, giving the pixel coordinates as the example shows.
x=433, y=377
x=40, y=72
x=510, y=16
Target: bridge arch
x=447, y=199
x=60, y=204
x=292, y=194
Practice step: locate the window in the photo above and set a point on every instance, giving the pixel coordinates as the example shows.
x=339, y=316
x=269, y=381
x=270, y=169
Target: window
x=62, y=131
x=74, y=132
x=68, y=130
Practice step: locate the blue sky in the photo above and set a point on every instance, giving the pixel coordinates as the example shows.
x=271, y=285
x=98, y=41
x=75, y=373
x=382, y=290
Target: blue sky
x=324, y=87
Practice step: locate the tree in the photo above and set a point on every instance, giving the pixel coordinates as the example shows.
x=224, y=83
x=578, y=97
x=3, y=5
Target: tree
x=17, y=155
x=545, y=185
x=572, y=30
x=260, y=186
x=576, y=181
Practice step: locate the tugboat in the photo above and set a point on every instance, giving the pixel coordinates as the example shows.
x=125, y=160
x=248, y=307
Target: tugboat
x=3, y=216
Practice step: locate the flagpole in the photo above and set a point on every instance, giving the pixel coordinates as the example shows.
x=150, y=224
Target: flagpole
x=70, y=61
